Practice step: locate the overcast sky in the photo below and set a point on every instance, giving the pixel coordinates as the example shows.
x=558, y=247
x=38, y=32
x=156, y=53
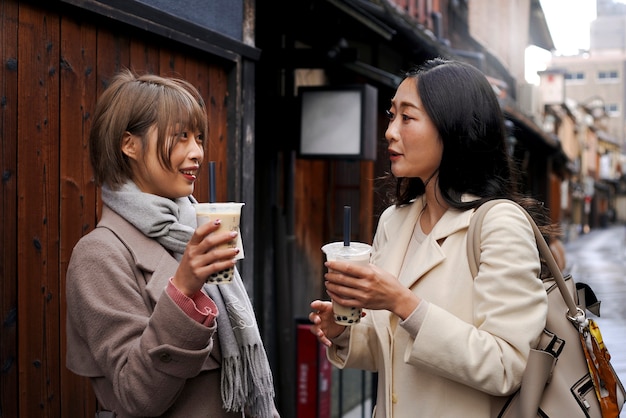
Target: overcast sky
x=568, y=21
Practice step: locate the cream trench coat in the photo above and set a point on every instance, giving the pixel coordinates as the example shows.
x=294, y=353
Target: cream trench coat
x=474, y=341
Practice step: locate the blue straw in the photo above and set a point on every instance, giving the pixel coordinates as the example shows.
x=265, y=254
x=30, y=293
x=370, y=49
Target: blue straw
x=211, y=181
x=346, y=226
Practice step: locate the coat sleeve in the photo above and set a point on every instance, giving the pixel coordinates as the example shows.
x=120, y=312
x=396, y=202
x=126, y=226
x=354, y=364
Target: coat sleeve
x=509, y=310
x=359, y=344
x=141, y=348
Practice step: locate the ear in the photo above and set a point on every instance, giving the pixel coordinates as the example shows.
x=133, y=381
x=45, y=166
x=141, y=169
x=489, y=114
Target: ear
x=130, y=146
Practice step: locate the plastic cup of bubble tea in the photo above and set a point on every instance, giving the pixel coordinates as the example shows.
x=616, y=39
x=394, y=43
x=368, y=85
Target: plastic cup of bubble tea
x=356, y=252
x=230, y=215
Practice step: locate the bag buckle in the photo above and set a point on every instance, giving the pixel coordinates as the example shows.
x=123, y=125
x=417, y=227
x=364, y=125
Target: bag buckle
x=555, y=346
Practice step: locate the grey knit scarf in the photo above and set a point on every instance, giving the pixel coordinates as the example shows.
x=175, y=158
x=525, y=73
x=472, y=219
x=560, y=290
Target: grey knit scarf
x=247, y=383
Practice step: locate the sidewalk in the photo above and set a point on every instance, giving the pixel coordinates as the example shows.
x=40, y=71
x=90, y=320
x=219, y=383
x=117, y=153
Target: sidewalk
x=359, y=412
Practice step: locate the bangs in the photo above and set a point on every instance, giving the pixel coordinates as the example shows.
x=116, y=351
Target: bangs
x=181, y=112
x=178, y=110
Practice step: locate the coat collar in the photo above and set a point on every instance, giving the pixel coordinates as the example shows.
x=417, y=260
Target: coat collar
x=398, y=229
x=149, y=255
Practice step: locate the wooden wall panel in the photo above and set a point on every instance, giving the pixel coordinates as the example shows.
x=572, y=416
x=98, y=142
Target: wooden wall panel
x=311, y=190
x=8, y=209
x=38, y=212
x=172, y=64
x=112, y=54
x=48, y=197
x=144, y=57
x=366, y=196
x=192, y=70
x=216, y=148
x=78, y=191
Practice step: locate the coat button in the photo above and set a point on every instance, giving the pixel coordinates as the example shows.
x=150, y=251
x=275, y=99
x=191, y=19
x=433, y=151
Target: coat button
x=394, y=398
x=165, y=357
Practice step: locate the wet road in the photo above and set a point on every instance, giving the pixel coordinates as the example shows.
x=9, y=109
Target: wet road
x=599, y=259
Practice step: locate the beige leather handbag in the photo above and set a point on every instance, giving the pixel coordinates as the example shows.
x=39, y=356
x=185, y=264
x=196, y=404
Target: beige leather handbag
x=557, y=381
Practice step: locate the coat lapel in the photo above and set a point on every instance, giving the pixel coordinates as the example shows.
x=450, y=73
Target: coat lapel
x=398, y=231
x=149, y=255
x=427, y=257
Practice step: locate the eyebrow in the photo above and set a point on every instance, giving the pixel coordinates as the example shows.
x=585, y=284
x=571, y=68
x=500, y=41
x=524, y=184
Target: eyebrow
x=405, y=105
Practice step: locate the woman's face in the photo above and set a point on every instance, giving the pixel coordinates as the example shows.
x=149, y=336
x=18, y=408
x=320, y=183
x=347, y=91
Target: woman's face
x=151, y=177
x=414, y=147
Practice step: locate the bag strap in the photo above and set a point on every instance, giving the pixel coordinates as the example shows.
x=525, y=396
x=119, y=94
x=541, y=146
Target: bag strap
x=575, y=314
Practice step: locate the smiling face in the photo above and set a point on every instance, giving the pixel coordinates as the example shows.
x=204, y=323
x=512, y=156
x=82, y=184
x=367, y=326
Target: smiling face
x=414, y=146
x=151, y=176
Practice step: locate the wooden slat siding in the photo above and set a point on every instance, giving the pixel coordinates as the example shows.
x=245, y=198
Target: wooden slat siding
x=312, y=225
x=366, y=196
x=172, y=64
x=38, y=213
x=196, y=75
x=217, y=145
x=112, y=55
x=49, y=199
x=78, y=191
x=144, y=57
x=8, y=208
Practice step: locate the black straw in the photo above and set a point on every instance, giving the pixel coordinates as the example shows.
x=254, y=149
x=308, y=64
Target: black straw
x=346, y=226
x=211, y=181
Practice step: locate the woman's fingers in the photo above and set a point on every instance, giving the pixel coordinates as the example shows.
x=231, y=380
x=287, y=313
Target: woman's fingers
x=323, y=322
x=208, y=236
x=206, y=255
x=204, y=230
x=347, y=269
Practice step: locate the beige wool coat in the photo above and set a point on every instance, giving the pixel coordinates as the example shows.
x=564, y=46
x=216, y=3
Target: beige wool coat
x=143, y=354
x=474, y=341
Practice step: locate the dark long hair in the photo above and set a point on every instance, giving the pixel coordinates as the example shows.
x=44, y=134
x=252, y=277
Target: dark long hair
x=464, y=108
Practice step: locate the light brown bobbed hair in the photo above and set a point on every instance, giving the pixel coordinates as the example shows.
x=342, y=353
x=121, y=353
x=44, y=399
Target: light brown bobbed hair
x=135, y=103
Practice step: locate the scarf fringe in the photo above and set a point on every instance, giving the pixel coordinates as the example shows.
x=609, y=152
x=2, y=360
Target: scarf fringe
x=252, y=392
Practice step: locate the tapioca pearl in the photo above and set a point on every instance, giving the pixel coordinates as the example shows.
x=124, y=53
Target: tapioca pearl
x=222, y=276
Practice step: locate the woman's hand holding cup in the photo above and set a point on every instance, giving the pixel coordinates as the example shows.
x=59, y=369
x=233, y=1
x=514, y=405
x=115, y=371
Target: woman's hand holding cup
x=204, y=256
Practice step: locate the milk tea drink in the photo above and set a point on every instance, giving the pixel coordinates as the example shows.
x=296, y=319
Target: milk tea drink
x=356, y=252
x=230, y=214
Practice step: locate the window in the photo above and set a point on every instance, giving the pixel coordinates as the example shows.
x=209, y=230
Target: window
x=608, y=75
x=612, y=109
x=575, y=76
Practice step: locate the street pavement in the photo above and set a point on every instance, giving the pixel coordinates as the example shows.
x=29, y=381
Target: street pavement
x=598, y=259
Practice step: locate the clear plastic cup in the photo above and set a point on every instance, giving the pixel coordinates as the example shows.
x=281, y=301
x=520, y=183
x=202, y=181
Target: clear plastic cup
x=230, y=215
x=356, y=252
